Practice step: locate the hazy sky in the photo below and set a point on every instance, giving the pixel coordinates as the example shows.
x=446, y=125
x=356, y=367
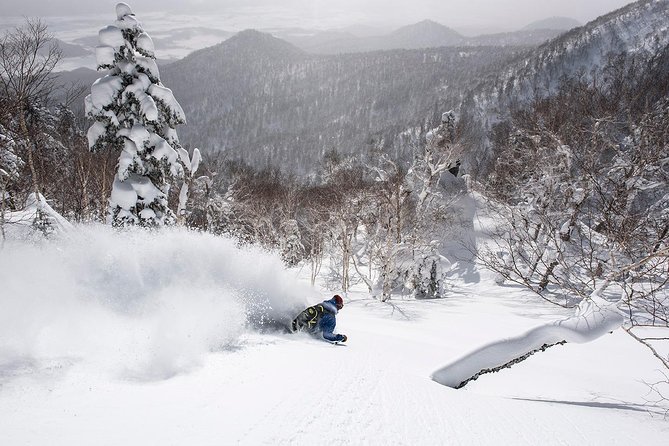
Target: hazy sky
x=463, y=14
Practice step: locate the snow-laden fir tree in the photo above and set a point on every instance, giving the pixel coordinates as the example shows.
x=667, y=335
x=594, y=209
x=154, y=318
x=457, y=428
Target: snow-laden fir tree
x=136, y=114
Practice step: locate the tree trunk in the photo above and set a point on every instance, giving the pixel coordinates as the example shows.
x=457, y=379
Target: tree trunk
x=544, y=281
x=344, y=273
x=316, y=258
x=2, y=214
x=365, y=279
x=83, y=178
x=103, y=194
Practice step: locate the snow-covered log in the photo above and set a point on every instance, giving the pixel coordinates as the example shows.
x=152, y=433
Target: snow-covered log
x=594, y=317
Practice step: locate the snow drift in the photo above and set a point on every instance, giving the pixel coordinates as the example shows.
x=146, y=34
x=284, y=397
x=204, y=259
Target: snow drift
x=148, y=305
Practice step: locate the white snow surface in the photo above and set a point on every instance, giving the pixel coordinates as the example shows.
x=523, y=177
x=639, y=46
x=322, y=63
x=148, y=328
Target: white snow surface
x=103, y=92
x=145, y=44
x=122, y=10
x=149, y=65
x=111, y=36
x=95, y=131
x=195, y=161
x=165, y=337
x=123, y=194
x=104, y=56
x=164, y=94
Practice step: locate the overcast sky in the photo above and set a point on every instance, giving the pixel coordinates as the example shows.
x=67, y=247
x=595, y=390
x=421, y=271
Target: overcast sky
x=463, y=14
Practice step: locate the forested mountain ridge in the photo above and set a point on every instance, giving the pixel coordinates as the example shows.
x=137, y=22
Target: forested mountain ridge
x=265, y=100
x=572, y=142
x=262, y=99
x=639, y=28
x=636, y=33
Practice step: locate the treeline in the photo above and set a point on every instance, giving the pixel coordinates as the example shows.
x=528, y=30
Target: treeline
x=368, y=219
x=374, y=218
x=376, y=221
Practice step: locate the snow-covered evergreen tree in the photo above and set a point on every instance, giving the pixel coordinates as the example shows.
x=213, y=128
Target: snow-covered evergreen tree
x=136, y=114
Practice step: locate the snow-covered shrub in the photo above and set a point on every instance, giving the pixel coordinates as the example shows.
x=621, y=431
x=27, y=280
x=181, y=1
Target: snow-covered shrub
x=583, y=195
x=429, y=281
x=292, y=249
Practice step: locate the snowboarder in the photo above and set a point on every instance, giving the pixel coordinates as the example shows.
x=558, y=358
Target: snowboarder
x=320, y=320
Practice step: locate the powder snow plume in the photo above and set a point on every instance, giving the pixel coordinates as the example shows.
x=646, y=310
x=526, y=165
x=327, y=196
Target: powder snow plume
x=144, y=305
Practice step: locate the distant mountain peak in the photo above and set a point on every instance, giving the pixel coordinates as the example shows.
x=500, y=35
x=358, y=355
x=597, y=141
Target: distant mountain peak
x=253, y=36
x=428, y=22
x=257, y=41
x=556, y=23
x=427, y=33
x=427, y=25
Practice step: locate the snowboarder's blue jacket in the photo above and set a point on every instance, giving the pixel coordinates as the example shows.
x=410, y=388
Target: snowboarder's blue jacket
x=328, y=321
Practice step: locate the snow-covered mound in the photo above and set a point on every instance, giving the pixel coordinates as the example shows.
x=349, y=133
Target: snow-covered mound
x=145, y=304
x=23, y=224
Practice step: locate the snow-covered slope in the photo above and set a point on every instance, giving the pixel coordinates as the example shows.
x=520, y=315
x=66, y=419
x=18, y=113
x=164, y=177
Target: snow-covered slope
x=144, y=304
x=158, y=338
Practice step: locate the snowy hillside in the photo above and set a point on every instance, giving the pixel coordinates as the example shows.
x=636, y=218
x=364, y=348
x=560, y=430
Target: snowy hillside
x=640, y=28
x=637, y=33
x=163, y=339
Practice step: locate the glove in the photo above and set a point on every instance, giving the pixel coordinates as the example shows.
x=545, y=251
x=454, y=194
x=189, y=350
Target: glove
x=344, y=338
